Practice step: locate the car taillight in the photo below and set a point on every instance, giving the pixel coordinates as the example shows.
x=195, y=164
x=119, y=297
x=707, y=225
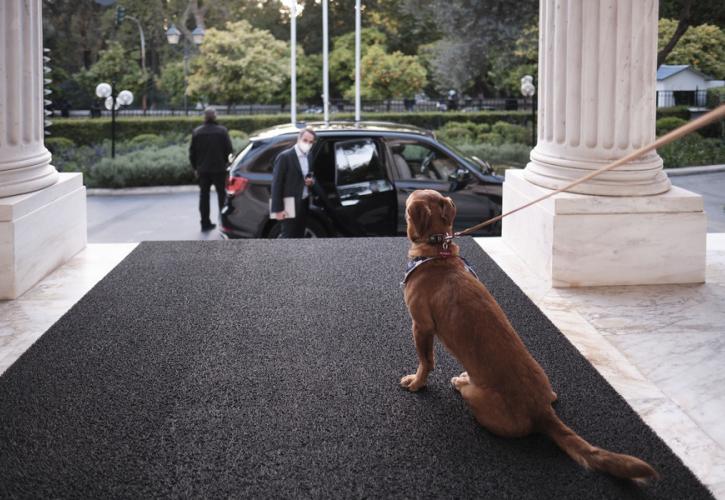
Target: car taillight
x=236, y=185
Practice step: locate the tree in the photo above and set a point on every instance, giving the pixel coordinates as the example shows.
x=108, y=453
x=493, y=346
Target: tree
x=508, y=68
x=342, y=57
x=474, y=34
x=239, y=64
x=171, y=82
x=114, y=66
x=688, y=13
x=385, y=76
x=702, y=47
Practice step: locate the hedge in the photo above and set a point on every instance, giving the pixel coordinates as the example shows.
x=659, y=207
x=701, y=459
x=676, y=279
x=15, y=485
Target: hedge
x=87, y=131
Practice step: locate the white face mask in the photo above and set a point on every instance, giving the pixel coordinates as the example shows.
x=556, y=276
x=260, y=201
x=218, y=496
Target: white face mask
x=304, y=146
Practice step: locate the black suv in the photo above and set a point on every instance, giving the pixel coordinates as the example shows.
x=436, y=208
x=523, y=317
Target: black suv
x=364, y=174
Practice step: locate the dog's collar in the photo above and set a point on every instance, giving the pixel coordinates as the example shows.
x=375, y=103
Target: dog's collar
x=419, y=261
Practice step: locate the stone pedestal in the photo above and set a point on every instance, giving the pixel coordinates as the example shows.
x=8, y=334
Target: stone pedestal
x=578, y=240
x=597, y=75
x=42, y=214
x=40, y=231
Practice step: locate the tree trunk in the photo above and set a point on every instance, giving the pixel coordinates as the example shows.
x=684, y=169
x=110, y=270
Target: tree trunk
x=682, y=26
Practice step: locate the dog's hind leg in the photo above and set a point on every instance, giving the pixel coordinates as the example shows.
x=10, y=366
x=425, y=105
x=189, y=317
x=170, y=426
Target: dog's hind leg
x=460, y=381
x=491, y=411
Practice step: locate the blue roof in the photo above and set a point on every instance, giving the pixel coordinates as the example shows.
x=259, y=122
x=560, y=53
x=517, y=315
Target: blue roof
x=667, y=70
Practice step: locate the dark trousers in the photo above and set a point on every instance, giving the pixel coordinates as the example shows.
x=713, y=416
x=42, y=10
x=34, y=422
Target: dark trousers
x=295, y=228
x=206, y=180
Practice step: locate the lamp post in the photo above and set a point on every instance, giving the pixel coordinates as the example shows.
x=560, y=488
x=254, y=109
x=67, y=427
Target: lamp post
x=528, y=90
x=113, y=102
x=173, y=35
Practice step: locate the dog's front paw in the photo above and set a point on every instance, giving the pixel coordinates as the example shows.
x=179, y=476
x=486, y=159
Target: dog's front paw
x=411, y=383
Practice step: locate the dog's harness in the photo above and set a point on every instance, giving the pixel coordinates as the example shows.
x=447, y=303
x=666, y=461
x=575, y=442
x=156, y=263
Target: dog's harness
x=443, y=253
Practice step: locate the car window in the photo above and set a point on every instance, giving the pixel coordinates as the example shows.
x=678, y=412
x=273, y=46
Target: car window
x=421, y=161
x=357, y=161
x=263, y=161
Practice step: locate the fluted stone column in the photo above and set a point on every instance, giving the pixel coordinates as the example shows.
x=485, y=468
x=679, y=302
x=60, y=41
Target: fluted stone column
x=597, y=67
x=629, y=226
x=24, y=160
x=42, y=212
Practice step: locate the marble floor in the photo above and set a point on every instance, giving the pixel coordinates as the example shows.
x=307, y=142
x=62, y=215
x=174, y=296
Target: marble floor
x=661, y=347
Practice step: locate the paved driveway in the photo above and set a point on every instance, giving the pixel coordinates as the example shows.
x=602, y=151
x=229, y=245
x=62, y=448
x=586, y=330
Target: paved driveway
x=175, y=216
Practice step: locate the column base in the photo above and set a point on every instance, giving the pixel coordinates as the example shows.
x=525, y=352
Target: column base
x=579, y=240
x=39, y=231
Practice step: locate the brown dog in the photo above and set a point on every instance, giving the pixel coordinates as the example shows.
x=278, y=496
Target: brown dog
x=507, y=390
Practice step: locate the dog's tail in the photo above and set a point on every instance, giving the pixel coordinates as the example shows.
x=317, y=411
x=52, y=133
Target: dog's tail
x=591, y=457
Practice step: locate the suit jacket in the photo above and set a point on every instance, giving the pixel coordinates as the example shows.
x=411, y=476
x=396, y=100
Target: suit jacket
x=210, y=149
x=287, y=179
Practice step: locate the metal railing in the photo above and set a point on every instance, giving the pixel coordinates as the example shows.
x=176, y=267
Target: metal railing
x=693, y=98
x=336, y=106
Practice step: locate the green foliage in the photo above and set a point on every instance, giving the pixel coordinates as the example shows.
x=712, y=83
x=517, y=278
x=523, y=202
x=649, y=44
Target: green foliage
x=239, y=64
x=342, y=57
x=500, y=132
x=385, y=76
x=309, y=80
x=145, y=140
x=715, y=97
x=147, y=167
x=57, y=144
x=145, y=160
x=516, y=155
x=171, y=82
x=238, y=134
x=117, y=67
x=678, y=111
x=693, y=150
x=702, y=47
x=668, y=124
x=90, y=131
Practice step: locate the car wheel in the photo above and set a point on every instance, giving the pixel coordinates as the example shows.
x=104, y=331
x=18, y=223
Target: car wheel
x=313, y=230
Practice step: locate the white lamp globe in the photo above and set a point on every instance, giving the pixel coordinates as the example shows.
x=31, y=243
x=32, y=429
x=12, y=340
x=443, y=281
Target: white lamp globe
x=528, y=89
x=103, y=90
x=109, y=103
x=125, y=97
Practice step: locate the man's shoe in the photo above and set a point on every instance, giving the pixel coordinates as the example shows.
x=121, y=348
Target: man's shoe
x=208, y=227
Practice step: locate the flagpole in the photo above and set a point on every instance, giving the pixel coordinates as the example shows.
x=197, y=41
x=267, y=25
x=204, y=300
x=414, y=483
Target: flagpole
x=357, y=60
x=325, y=65
x=293, y=61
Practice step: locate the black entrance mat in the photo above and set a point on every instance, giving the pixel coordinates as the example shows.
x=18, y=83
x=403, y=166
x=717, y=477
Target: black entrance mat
x=270, y=369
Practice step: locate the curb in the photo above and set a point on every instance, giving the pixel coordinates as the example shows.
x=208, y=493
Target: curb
x=707, y=169
x=189, y=188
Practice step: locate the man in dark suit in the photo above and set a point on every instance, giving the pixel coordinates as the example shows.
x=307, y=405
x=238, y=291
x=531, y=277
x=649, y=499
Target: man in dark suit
x=292, y=177
x=209, y=155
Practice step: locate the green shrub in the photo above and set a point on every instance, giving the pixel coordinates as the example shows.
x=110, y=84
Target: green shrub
x=95, y=130
x=152, y=166
x=238, y=134
x=715, y=97
x=676, y=111
x=511, y=133
x=504, y=154
x=693, y=150
x=58, y=144
x=147, y=140
x=668, y=124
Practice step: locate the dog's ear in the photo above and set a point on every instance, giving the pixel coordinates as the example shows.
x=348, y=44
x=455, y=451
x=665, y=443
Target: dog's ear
x=418, y=214
x=448, y=210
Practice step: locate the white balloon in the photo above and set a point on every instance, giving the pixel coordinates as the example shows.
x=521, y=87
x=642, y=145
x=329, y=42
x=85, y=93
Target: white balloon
x=103, y=90
x=125, y=97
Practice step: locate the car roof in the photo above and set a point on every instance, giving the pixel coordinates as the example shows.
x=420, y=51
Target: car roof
x=340, y=126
